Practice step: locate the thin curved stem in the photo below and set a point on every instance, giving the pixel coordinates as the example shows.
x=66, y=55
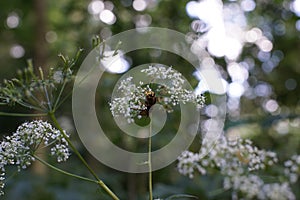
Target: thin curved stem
x=38, y=102
x=63, y=171
x=23, y=114
x=27, y=105
x=60, y=102
x=99, y=181
x=59, y=95
x=47, y=97
x=150, y=161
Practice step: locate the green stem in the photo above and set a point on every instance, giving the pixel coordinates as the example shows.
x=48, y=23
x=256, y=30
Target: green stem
x=60, y=102
x=28, y=105
x=60, y=94
x=37, y=102
x=23, y=114
x=150, y=161
x=99, y=181
x=63, y=171
x=47, y=97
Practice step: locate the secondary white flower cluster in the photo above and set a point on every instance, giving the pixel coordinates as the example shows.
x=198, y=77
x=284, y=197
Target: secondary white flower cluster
x=292, y=168
x=230, y=157
x=235, y=160
x=19, y=148
x=133, y=96
x=253, y=187
x=2, y=178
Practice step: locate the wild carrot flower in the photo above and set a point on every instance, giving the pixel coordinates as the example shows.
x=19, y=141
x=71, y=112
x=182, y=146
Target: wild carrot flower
x=19, y=148
x=171, y=92
x=235, y=160
x=230, y=157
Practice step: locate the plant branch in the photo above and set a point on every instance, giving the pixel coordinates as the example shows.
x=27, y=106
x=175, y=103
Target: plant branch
x=150, y=161
x=63, y=171
x=23, y=114
x=99, y=181
x=59, y=95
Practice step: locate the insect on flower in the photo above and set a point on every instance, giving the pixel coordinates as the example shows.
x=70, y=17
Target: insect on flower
x=150, y=100
x=166, y=87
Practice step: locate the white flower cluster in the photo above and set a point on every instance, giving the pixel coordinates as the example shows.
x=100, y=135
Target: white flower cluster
x=19, y=148
x=2, y=178
x=133, y=98
x=276, y=191
x=230, y=157
x=175, y=85
x=234, y=160
x=253, y=187
x=189, y=162
x=131, y=102
x=250, y=186
x=292, y=168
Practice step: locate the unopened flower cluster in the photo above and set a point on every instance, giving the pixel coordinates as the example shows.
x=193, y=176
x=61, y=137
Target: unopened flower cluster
x=171, y=93
x=39, y=91
x=19, y=148
x=235, y=160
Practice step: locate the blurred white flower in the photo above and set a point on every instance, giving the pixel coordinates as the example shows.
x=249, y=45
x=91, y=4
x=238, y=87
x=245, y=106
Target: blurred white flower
x=58, y=77
x=235, y=160
x=276, y=191
x=292, y=168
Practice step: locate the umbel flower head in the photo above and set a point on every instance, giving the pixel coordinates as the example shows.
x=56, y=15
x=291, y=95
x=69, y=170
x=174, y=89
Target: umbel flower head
x=137, y=99
x=229, y=157
x=19, y=148
x=235, y=160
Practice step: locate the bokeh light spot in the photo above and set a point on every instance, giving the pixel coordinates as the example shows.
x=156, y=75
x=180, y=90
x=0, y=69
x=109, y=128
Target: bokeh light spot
x=17, y=51
x=192, y=9
x=108, y=5
x=235, y=90
x=95, y=7
x=291, y=84
x=51, y=36
x=107, y=17
x=279, y=28
x=211, y=110
x=237, y=72
x=142, y=20
x=13, y=20
x=265, y=45
x=271, y=105
x=295, y=7
x=263, y=90
x=298, y=24
x=251, y=36
x=139, y=5
x=248, y=5
x=115, y=64
x=282, y=127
